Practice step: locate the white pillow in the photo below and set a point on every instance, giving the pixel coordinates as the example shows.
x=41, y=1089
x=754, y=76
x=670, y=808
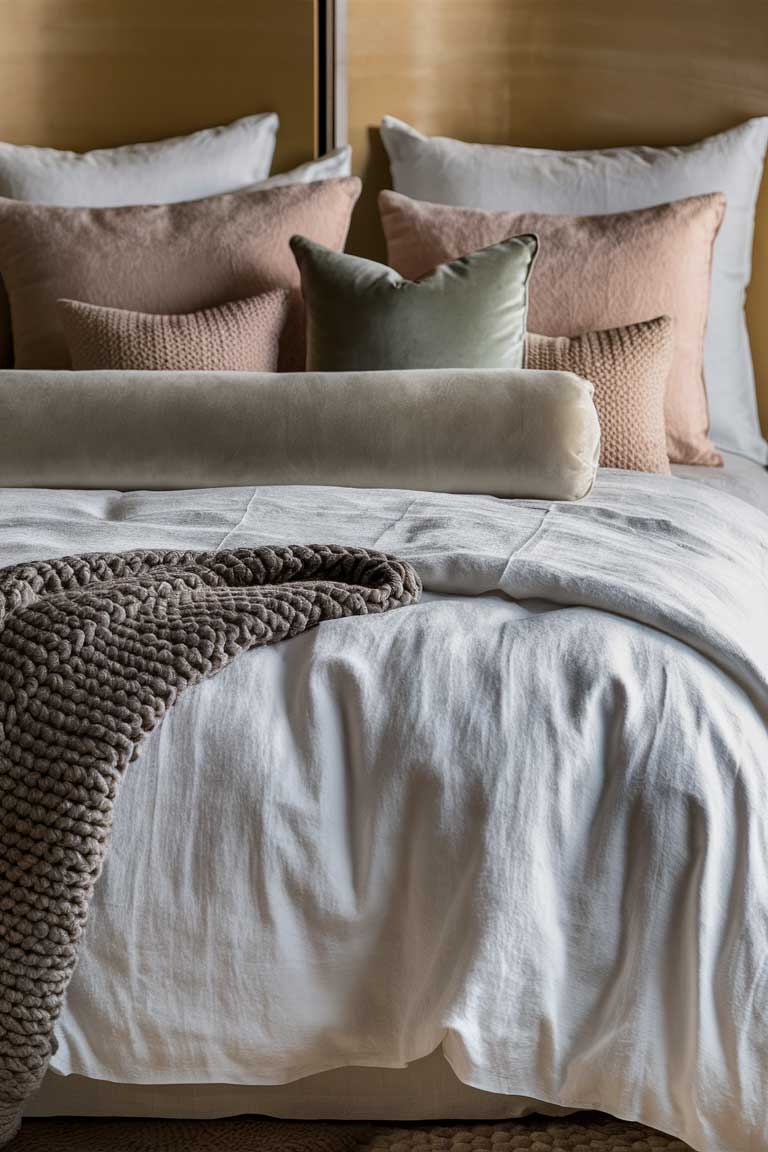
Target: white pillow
x=183, y=168
x=500, y=178
x=334, y=165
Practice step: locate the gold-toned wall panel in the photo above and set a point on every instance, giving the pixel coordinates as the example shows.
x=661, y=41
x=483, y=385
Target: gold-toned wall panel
x=559, y=74
x=93, y=73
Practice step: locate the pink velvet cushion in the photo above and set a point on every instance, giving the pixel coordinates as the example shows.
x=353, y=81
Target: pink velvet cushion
x=240, y=336
x=169, y=259
x=592, y=273
x=629, y=368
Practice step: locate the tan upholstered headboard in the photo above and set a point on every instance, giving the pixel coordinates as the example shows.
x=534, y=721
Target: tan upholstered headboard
x=559, y=74
x=84, y=74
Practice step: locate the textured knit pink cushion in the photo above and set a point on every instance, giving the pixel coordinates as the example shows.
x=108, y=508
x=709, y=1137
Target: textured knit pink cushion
x=629, y=368
x=241, y=336
x=592, y=273
x=169, y=259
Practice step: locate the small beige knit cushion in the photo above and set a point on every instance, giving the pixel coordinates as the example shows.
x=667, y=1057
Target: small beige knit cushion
x=629, y=368
x=241, y=336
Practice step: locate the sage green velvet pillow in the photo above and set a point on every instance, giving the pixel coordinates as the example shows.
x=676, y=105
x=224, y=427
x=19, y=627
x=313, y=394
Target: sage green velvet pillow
x=363, y=316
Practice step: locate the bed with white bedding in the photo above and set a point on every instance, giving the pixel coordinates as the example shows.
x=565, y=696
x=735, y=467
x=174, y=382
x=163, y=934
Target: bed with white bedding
x=400, y=855
x=504, y=851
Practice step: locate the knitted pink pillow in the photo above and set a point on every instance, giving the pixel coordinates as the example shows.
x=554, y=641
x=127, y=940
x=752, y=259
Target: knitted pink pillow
x=628, y=368
x=242, y=336
x=593, y=273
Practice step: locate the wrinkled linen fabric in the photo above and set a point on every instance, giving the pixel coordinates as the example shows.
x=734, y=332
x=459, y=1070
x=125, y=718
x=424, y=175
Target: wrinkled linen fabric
x=94, y=651
x=525, y=820
x=739, y=476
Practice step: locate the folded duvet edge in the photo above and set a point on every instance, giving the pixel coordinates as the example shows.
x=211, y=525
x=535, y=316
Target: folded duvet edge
x=511, y=433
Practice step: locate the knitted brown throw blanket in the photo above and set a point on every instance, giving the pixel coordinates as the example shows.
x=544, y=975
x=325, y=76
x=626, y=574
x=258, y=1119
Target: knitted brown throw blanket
x=94, y=650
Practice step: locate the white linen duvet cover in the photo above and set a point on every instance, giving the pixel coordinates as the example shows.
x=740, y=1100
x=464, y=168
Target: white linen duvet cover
x=526, y=820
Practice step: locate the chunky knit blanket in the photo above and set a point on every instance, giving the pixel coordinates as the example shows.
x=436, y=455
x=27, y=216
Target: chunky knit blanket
x=94, y=650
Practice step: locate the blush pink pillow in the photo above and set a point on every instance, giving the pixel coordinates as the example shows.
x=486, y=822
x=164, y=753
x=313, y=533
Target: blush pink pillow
x=240, y=336
x=164, y=259
x=594, y=273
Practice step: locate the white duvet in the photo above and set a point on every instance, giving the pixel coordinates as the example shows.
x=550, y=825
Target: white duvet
x=526, y=819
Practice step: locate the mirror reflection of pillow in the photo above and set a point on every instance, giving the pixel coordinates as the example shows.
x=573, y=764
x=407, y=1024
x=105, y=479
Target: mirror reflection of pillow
x=629, y=368
x=239, y=336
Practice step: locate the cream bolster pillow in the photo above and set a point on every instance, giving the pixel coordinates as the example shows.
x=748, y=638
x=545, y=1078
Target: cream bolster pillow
x=503, y=433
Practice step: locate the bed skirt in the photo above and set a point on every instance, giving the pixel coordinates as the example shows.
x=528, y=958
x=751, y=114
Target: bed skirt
x=426, y=1089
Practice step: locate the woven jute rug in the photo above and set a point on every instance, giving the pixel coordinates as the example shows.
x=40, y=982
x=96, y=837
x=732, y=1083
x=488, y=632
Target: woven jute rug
x=584, y=1132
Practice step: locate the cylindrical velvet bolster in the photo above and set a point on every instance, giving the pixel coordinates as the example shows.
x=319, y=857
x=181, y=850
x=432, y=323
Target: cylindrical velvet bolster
x=504, y=433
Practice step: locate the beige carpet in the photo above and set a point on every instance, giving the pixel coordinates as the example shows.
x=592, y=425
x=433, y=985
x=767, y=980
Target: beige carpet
x=582, y=1133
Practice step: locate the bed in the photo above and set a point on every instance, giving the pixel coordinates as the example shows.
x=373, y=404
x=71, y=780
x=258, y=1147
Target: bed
x=410, y=952
x=502, y=852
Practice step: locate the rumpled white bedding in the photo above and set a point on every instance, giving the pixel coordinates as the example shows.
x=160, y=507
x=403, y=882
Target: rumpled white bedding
x=739, y=476
x=526, y=820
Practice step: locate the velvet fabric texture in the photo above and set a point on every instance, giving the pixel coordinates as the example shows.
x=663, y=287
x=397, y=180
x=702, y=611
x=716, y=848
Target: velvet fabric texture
x=593, y=273
x=363, y=316
x=241, y=336
x=168, y=259
x=511, y=433
x=629, y=368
